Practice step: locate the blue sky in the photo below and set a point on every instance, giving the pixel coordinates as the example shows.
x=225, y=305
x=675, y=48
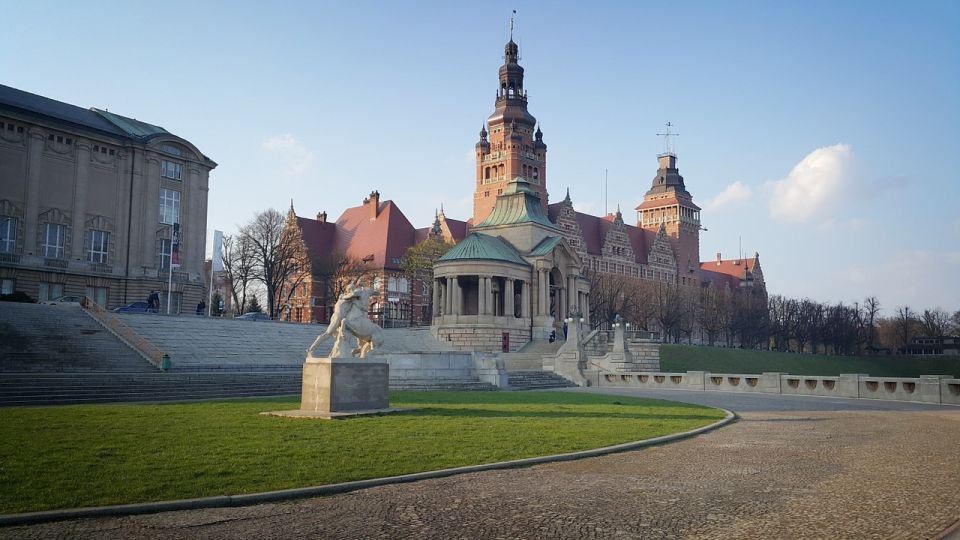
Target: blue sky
x=822, y=134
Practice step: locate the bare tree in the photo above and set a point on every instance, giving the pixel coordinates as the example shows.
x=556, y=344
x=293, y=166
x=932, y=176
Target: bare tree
x=417, y=264
x=238, y=264
x=905, y=323
x=278, y=254
x=871, y=309
x=935, y=322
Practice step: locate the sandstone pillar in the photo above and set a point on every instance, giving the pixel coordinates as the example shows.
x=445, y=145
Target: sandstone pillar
x=525, y=299
x=482, y=285
x=31, y=212
x=80, y=201
x=455, y=297
x=508, y=303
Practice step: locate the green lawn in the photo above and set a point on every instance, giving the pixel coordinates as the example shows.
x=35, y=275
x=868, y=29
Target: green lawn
x=678, y=358
x=89, y=455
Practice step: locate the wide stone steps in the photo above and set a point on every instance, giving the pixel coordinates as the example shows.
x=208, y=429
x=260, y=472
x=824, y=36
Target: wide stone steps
x=32, y=389
x=61, y=338
x=537, y=380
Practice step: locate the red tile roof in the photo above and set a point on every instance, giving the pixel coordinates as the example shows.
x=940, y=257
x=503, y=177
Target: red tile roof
x=384, y=238
x=730, y=271
x=317, y=236
x=594, y=230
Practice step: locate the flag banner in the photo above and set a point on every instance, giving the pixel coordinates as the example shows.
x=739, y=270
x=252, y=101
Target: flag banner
x=175, y=249
x=217, y=251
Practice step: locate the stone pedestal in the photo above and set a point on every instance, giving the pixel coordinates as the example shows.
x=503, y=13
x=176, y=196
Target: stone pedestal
x=337, y=385
x=341, y=388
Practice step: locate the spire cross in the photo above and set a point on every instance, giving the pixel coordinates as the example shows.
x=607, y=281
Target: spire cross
x=511, y=25
x=667, y=146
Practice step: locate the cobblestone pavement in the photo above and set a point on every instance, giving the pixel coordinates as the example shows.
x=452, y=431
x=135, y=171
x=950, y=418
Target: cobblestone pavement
x=774, y=474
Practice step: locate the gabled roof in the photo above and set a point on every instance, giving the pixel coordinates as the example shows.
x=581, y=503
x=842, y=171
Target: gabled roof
x=545, y=247
x=730, y=271
x=380, y=241
x=594, y=230
x=483, y=247
x=318, y=237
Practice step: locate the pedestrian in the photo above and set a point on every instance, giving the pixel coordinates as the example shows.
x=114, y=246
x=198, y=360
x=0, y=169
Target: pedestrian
x=153, y=301
x=201, y=307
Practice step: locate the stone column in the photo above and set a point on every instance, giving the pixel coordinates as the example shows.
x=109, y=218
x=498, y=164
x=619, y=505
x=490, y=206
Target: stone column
x=482, y=295
x=31, y=212
x=586, y=308
x=80, y=201
x=436, y=298
x=544, y=290
x=455, y=297
x=525, y=299
x=491, y=305
x=571, y=295
x=508, y=304
x=447, y=306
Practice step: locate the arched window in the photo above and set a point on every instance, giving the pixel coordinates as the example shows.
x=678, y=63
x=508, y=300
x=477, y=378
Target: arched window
x=501, y=170
x=536, y=173
x=486, y=173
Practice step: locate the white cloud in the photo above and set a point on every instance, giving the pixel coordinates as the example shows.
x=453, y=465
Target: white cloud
x=814, y=186
x=293, y=155
x=733, y=195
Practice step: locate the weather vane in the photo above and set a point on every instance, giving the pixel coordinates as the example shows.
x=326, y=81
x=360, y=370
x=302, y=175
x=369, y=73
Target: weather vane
x=667, y=144
x=511, y=25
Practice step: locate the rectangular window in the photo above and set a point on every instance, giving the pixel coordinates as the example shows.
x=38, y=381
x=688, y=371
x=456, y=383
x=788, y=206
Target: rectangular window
x=8, y=234
x=6, y=286
x=169, y=206
x=49, y=291
x=165, y=254
x=169, y=169
x=97, y=295
x=53, y=240
x=98, y=250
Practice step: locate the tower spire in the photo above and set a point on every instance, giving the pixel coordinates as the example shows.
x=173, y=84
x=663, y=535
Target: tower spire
x=511, y=24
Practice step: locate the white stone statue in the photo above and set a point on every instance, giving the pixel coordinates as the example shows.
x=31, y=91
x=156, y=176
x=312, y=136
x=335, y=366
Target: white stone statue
x=350, y=319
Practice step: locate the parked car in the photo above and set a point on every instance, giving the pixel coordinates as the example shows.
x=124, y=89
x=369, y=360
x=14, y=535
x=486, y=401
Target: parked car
x=254, y=316
x=135, y=307
x=65, y=300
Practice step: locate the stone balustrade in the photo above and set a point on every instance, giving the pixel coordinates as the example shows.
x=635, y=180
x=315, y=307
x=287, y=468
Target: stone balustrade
x=939, y=389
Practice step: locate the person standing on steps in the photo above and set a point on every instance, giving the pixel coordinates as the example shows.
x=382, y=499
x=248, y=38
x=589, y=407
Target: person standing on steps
x=201, y=307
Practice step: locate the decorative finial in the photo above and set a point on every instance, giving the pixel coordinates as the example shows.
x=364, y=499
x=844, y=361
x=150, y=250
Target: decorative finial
x=667, y=144
x=567, y=199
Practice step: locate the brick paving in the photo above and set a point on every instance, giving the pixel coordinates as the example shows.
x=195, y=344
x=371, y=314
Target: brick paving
x=773, y=474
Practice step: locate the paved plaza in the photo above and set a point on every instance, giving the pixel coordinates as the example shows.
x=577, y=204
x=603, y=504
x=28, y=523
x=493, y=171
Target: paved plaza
x=792, y=467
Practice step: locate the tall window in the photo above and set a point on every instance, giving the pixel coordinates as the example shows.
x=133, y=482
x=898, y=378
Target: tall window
x=99, y=242
x=169, y=206
x=6, y=286
x=165, y=254
x=8, y=234
x=53, y=239
x=169, y=169
x=49, y=291
x=98, y=295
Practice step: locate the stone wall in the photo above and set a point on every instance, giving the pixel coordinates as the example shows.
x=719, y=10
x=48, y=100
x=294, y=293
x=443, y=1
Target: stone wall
x=484, y=339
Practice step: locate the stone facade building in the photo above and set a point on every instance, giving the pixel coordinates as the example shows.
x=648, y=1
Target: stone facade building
x=90, y=200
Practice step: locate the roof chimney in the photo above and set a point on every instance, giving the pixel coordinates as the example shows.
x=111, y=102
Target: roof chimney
x=718, y=258
x=322, y=217
x=374, y=201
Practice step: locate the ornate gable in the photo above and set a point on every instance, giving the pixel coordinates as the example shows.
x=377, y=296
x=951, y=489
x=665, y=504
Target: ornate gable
x=566, y=221
x=616, y=244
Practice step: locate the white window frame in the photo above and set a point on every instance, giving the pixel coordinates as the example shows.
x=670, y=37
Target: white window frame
x=169, y=206
x=166, y=246
x=8, y=234
x=99, y=248
x=53, y=243
x=171, y=170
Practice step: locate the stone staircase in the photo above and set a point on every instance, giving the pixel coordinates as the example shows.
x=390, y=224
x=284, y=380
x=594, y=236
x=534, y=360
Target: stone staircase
x=37, y=338
x=530, y=356
x=74, y=388
x=537, y=380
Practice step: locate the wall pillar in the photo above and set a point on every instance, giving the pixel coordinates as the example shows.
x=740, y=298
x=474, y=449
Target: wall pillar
x=491, y=305
x=434, y=310
x=571, y=295
x=31, y=211
x=543, y=288
x=508, y=304
x=80, y=201
x=151, y=214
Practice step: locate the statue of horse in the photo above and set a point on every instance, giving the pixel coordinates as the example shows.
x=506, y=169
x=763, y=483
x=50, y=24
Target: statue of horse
x=350, y=319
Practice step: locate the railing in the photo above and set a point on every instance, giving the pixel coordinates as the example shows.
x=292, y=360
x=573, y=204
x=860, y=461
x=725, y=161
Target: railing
x=938, y=389
x=55, y=263
x=124, y=333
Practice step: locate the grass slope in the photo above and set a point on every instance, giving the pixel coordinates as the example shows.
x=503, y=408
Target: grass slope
x=679, y=358
x=89, y=455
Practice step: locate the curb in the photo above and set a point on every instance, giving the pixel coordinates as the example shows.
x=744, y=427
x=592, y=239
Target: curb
x=224, y=501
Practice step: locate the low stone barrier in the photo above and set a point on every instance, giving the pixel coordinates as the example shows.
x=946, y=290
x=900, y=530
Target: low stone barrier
x=938, y=389
x=445, y=367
